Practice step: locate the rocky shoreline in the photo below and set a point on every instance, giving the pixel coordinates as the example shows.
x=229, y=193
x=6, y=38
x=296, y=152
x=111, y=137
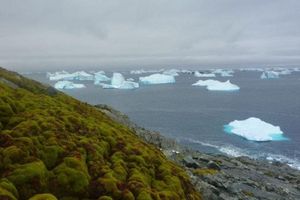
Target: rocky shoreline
x=222, y=177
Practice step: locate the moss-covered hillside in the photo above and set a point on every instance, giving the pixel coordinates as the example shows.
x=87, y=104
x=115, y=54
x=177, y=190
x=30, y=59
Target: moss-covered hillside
x=55, y=147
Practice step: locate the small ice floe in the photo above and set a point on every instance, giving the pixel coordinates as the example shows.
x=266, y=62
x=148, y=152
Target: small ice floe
x=269, y=75
x=204, y=75
x=66, y=85
x=217, y=85
x=157, y=79
x=255, y=129
x=118, y=82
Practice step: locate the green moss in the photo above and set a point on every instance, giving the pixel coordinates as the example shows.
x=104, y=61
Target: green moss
x=4, y=194
x=50, y=142
x=105, y=198
x=205, y=171
x=30, y=178
x=9, y=187
x=144, y=195
x=43, y=197
x=50, y=154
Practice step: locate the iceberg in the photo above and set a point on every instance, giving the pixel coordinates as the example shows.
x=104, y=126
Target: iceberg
x=66, y=85
x=100, y=77
x=204, y=75
x=255, y=129
x=172, y=72
x=269, y=75
x=118, y=82
x=215, y=85
x=63, y=75
x=157, y=79
x=82, y=76
x=223, y=72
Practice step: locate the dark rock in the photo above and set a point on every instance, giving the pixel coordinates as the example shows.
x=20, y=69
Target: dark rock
x=213, y=165
x=189, y=162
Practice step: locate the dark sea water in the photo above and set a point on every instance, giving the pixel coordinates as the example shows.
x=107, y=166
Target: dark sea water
x=195, y=116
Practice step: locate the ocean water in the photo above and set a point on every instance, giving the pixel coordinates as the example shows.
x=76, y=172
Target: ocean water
x=196, y=117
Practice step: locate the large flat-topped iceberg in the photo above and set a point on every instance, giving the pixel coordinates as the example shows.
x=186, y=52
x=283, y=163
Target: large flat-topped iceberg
x=118, y=82
x=157, y=79
x=217, y=85
x=269, y=75
x=255, y=129
x=67, y=85
x=204, y=75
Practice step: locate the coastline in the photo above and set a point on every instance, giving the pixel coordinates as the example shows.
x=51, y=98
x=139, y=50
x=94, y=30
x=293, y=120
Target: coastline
x=218, y=176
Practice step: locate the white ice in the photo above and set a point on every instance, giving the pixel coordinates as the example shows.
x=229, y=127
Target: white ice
x=269, y=75
x=63, y=75
x=142, y=71
x=205, y=75
x=172, y=72
x=118, y=82
x=100, y=77
x=217, y=85
x=66, y=85
x=223, y=72
x=255, y=129
x=157, y=79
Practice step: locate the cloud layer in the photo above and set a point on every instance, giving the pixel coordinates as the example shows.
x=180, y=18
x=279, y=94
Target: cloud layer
x=157, y=33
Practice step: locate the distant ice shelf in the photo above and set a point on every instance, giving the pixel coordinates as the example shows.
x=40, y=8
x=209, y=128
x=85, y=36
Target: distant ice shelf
x=255, y=129
x=157, y=79
x=215, y=85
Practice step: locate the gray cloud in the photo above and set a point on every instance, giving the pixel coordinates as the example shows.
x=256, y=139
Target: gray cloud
x=157, y=33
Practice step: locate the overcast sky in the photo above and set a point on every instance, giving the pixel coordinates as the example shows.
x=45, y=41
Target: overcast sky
x=148, y=33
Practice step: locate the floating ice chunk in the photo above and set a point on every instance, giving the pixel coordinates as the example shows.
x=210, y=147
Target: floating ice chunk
x=100, y=77
x=118, y=82
x=269, y=75
x=255, y=129
x=157, y=79
x=217, y=85
x=172, y=72
x=207, y=75
x=66, y=85
x=130, y=79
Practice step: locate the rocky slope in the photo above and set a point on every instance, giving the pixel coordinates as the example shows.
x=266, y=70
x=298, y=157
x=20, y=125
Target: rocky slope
x=219, y=176
x=55, y=147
